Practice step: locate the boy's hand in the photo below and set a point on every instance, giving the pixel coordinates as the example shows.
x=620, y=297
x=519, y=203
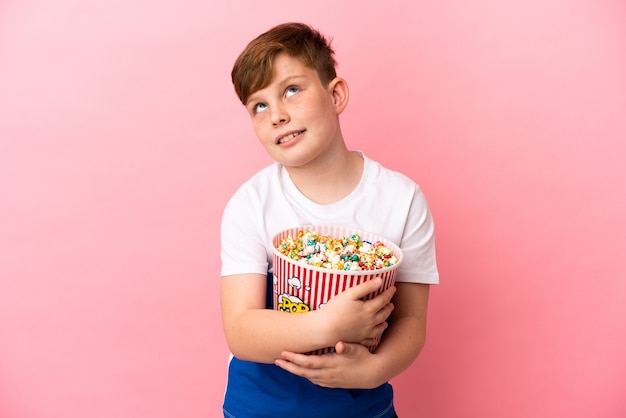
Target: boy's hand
x=351, y=366
x=354, y=320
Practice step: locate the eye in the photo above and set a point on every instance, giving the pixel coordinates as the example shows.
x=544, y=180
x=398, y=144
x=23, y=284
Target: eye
x=291, y=90
x=259, y=107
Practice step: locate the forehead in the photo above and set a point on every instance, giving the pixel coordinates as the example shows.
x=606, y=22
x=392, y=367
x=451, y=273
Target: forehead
x=286, y=64
x=286, y=69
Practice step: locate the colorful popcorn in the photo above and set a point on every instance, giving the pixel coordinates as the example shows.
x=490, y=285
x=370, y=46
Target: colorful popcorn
x=349, y=253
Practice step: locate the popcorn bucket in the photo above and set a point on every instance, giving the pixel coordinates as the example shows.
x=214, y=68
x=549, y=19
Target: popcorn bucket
x=299, y=287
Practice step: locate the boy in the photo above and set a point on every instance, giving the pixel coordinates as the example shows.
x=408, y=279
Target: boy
x=287, y=81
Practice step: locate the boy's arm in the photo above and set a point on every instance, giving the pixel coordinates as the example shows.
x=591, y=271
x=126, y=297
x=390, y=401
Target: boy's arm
x=353, y=366
x=257, y=334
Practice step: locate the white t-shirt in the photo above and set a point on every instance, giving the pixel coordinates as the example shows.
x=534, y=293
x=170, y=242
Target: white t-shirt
x=385, y=202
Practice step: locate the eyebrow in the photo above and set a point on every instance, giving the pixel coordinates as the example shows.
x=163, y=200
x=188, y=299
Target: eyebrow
x=291, y=77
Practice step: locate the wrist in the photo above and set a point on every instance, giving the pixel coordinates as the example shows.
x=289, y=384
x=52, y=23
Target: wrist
x=322, y=330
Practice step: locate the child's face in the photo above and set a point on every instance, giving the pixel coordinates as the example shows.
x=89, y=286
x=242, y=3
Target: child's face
x=296, y=117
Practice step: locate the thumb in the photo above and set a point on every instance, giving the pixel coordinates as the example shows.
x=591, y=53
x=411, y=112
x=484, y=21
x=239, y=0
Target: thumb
x=364, y=289
x=343, y=348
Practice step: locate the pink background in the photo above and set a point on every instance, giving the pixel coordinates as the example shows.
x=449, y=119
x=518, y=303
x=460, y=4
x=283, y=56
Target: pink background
x=121, y=140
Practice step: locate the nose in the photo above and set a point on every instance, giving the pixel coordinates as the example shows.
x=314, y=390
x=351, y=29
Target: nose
x=280, y=115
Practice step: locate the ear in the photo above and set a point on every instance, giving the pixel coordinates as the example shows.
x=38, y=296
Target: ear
x=339, y=92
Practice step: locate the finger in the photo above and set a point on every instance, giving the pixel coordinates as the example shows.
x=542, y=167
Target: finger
x=385, y=296
x=389, y=293
x=362, y=290
x=295, y=358
x=368, y=342
x=291, y=367
x=346, y=349
x=384, y=312
x=383, y=301
x=341, y=347
x=380, y=328
x=375, y=334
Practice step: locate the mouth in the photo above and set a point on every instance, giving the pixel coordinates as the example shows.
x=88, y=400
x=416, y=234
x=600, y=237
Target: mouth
x=288, y=137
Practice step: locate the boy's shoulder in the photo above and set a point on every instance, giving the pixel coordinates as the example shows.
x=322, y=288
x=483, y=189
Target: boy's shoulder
x=260, y=181
x=265, y=174
x=384, y=173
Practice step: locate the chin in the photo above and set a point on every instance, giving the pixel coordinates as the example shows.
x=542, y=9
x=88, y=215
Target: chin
x=293, y=160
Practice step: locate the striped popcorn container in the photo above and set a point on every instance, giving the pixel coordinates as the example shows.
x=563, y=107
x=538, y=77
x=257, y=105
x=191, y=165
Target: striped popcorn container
x=300, y=287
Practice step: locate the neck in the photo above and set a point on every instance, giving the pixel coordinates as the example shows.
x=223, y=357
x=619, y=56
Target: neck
x=330, y=180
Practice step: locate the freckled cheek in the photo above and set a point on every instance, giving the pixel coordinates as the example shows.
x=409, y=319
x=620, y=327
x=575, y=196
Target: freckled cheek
x=257, y=125
x=263, y=134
